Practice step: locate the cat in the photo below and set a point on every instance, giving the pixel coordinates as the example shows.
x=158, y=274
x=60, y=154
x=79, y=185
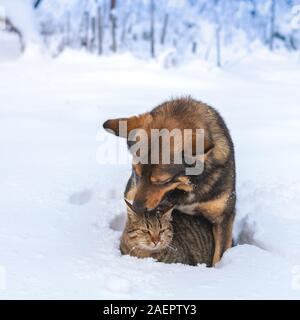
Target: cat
x=169, y=236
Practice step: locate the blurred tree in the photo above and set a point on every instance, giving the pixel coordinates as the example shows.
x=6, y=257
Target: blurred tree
x=10, y=27
x=100, y=30
x=218, y=30
x=152, y=28
x=272, y=23
x=164, y=29
x=113, y=19
x=37, y=3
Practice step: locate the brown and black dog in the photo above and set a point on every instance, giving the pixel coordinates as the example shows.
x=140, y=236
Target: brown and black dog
x=211, y=193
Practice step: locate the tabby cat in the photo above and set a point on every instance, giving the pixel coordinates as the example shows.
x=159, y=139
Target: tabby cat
x=170, y=237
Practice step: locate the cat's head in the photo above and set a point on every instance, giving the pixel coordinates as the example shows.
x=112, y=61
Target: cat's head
x=151, y=231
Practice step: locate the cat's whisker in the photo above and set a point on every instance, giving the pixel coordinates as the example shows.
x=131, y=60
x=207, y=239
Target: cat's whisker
x=132, y=249
x=171, y=247
x=181, y=232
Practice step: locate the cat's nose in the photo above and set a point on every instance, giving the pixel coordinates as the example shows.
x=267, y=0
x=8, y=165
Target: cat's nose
x=155, y=240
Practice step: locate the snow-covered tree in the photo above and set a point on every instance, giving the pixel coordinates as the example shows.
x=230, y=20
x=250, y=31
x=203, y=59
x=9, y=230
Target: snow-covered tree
x=216, y=30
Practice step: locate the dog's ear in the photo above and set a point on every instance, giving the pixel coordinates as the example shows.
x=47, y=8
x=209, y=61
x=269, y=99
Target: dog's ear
x=195, y=156
x=207, y=144
x=122, y=126
x=190, y=147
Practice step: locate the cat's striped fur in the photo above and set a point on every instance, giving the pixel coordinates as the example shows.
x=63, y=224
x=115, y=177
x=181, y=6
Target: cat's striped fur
x=185, y=239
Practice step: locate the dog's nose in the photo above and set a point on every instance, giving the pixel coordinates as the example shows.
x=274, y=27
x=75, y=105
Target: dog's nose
x=139, y=206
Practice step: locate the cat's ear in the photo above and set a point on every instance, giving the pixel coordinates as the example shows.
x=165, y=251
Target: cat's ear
x=167, y=213
x=130, y=210
x=128, y=204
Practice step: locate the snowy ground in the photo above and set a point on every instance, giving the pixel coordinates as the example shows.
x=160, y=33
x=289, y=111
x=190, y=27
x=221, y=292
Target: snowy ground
x=9, y=46
x=61, y=211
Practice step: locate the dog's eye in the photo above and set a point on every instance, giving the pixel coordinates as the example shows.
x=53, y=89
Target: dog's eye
x=161, y=182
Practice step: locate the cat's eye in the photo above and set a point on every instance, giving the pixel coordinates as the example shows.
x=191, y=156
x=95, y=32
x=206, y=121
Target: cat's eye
x=131, y=230
x=162, y=230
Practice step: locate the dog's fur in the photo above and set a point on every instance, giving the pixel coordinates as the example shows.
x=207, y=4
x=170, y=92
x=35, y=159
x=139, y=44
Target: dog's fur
x=211, y=193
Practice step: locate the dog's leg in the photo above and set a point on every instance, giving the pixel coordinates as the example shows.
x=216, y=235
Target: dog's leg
x=228, y=233
x=218, y=238
x=222, y=232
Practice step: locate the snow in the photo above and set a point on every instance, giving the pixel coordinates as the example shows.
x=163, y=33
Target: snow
x=21, y=15
x=10, y=46
x=62, y=212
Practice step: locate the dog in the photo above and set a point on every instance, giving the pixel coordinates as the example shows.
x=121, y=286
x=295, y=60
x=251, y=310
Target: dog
x=211, y=193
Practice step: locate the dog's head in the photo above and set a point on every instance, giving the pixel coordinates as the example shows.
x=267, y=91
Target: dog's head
x=158, y=175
